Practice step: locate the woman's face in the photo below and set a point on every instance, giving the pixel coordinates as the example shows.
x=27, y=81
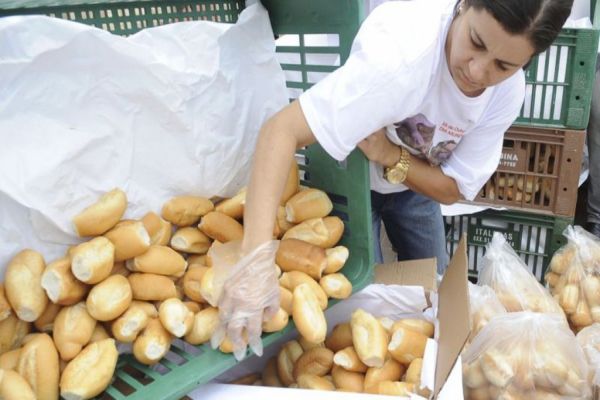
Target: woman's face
x=481, y=53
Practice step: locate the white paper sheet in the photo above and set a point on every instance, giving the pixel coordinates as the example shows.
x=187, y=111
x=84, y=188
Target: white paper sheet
x=168, y=111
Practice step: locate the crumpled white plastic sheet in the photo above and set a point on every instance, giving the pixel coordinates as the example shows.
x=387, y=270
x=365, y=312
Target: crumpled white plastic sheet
x=171, y=110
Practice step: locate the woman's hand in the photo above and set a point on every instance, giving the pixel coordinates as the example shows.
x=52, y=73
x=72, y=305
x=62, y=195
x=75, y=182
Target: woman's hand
x=378, y=148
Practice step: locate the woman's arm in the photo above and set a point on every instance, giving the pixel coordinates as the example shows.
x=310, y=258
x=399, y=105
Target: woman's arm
x=422, y=177
x=278, y=140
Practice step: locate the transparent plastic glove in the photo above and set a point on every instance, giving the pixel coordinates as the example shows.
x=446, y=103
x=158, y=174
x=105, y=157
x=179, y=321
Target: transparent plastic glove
x=246, y=291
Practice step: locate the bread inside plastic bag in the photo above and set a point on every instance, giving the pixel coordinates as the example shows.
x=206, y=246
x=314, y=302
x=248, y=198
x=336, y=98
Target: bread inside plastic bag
x=484, y=306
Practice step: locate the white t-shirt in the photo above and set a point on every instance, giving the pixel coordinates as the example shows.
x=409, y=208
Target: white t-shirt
x=397, y=77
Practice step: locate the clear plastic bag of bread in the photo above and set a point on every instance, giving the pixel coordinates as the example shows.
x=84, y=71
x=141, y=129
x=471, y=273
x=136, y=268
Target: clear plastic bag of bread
x=484, y=306
x=516, y=288
x=573, y=277
x=589, y=340
x=525, y=355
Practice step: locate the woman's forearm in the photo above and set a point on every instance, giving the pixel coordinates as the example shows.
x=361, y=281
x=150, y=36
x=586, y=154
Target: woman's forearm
x=431, y=182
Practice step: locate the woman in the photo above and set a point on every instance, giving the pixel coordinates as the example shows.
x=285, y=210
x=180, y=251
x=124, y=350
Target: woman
x=438, y=82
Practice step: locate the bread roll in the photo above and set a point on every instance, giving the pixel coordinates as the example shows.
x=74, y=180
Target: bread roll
x=406, y=345
x=130, y=239
x=340, y=337
x=292, y=183
x=336, y=286
x=552, y=279
x=190, y=240
x=582, y=315
x=197, y=259
x=45, y=322
x=307, y=204
x=369, y=338
x=269, y=375
x=38, y=364
x=296, y=255
x=161, y=260
x=473, y=376
x=392, y=370
x=221, y=227
x=207, y=288
x=12, y=332
x=347, y=381
x=312, y=231
x=387, y=324
x=496, y=368
x=128, y=326
x=316, y=361
x=99, y=334
x=92, y=262
x=158, y=229
x=574, y=386
x=204, y=325
x=277, y=323
x=336, y=259
x=5, y=309
x=110, y=298
x=314, y=382
x=233, y=207
x=290, y=280
x=562, y=260
x=348, y=359
x=60, y=284
x=413, y=373
x=152, y=344
x=175, y=317
x=22, y=284
x=285, y=299
x=591, y=289
x=191, y=282
x=418, y=325
x=308, y=315
x=395, y=388
x=186, y=210
x=569, y=298
x=282, y=225
x=14, y=387
x=88, y=374
x=73, y=328
x=249, y=379
x=151, y=287
x=102, y=215
x=595, y=312
x=286, y=359
x=10, y=359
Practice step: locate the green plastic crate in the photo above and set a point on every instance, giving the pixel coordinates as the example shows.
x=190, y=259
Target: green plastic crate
x=347, y=183
x=534, y=237
x=560, y=80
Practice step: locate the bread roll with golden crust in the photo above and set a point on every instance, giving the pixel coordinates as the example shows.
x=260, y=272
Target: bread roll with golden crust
x=102, y=215
x=22, y=284
x=286, y=359
x=277, y=323
x=336, y=259
x=348, y=359
x=73, y=329
x=413, y=373
x=269, y=375
x=12, y=332
x=38, y=364
x=369, y=338
x=204, y=325
x=152, y=344
x=292, y=279
x=563, y=259
x=316, y=361
x=45, y=322
x=292, y=184
x=221, y=227
x=127, y=327
x=151, y=287
x=308, y=315
x=312, y=231
x=285, y=299
x=233, y=207
x=297, y=255
x=314, y=382
x=60, y=284
x=197, y=259
x=418, y=325
x=406, y=345
x=335, y=229
x=336, y=286
x=552, y=279
x=99, y=334
x=5, y=309
x=496, y=368
x=591, y=289
x=161, y=260
x=175, y=317
x=14, y=387
x=190, y=240
x=340, y=337
x=582, y=315
x=88, y=374
x=130, y=239
x=191, y=282
x=569, y=297
x=347, y=381
x=186, y=210
x=282, y=225
x=249, y=379
x=307, y=204
x=158, y=229
x=110, y=298
x=92, y=262
x=10, y=359
x=392, y=370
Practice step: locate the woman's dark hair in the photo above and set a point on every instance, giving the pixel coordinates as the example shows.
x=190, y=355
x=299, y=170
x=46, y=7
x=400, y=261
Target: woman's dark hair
x=539, y=20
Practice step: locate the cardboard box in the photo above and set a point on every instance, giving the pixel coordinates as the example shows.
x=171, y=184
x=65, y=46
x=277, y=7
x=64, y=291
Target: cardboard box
x=414, y=282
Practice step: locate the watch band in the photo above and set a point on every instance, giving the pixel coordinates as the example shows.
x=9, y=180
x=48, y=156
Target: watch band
x=397, y=173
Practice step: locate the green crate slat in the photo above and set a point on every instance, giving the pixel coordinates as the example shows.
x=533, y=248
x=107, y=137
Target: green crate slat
x=347, y=182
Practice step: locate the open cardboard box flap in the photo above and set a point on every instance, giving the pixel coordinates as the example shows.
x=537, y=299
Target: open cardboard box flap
x=453, y=302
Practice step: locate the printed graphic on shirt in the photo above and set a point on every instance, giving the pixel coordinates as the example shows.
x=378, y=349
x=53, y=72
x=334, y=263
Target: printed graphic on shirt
x=417, y=132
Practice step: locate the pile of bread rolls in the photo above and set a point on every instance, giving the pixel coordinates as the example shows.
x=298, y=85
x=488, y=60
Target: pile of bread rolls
x=146, y=282
x=574, y=278
x=365, y=355
x=516, y=288
x=525, y=355
x=484, y=306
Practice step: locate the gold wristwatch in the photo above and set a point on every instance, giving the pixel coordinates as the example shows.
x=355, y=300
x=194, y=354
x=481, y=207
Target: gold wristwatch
x=396, y=174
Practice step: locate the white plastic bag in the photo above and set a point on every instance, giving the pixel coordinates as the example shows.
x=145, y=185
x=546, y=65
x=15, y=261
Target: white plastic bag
x=484, y=306
x=589, y=339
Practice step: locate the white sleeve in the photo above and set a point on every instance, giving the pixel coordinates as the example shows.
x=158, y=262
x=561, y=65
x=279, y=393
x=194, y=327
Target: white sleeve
x=477, y=155
x=384, y=80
